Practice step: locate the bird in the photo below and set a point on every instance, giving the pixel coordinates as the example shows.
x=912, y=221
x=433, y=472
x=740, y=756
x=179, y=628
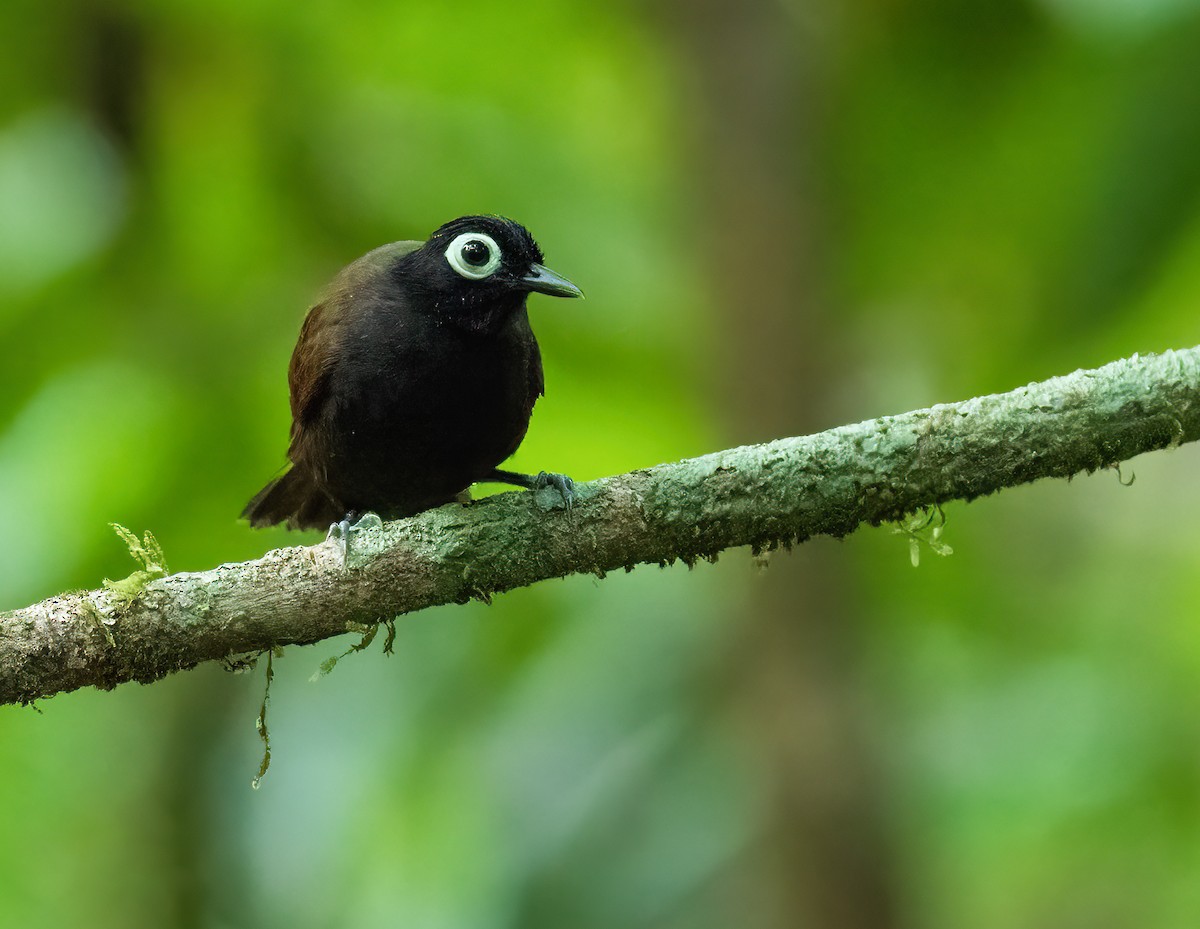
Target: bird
x=415, y=376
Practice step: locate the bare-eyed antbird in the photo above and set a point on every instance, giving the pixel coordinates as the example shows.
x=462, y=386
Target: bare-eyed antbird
x=414, y=377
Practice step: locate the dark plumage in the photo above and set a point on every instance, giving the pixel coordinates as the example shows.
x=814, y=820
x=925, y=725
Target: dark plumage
x=414, y=377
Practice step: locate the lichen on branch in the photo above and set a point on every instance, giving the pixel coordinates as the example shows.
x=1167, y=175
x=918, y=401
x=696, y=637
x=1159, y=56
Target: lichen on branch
x=764, y=496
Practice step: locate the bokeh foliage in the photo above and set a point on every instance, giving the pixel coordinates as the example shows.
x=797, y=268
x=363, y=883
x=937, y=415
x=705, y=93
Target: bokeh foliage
x=1009, y=190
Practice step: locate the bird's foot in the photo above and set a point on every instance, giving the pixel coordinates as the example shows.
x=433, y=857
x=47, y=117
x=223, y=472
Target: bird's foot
x=560, y=482
x=342, y=530
x=535, y=482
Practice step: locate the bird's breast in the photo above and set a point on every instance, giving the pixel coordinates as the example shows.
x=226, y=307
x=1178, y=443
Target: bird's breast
x=429, y=406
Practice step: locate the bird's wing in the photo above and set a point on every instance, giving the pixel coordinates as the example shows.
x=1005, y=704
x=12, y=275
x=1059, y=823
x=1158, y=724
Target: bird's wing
x=312, y=360
x=316, y=350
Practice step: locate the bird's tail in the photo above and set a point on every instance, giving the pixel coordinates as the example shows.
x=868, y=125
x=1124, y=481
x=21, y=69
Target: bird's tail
x=293, y=498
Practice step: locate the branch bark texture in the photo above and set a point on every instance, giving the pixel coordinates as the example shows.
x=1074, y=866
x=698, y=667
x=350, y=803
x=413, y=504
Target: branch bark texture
x=764, y=496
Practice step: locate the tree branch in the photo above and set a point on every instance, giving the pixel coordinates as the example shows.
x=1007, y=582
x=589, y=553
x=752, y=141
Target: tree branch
x=762, y=495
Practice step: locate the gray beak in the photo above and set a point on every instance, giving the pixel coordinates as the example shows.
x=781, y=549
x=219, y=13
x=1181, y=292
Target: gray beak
x=544, y=281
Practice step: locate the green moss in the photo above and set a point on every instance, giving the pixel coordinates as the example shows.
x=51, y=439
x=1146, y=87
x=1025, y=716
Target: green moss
x=148, y=553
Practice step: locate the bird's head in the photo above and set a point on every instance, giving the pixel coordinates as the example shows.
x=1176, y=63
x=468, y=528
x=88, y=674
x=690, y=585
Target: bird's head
x=476, y=270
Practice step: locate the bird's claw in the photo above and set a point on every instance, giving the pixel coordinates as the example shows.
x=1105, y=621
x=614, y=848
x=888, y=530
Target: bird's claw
x=560, y=482
x=341, y=531
x=367, y=522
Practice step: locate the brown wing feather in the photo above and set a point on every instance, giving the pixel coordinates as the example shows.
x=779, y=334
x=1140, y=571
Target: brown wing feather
x=315, y=355
x=312, y=361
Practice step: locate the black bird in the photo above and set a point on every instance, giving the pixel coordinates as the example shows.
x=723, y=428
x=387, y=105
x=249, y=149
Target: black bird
x=414, y=377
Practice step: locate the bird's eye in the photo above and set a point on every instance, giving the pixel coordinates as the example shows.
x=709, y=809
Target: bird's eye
x=474, y=255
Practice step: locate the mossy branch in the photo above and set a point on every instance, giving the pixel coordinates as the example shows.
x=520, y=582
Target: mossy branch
x=763, y=496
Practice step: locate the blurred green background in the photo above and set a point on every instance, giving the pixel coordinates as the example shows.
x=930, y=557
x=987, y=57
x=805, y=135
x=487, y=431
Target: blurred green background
x=786, y=216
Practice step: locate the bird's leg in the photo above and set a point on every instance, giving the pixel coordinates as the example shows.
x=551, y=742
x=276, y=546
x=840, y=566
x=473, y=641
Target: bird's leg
x=560, y=482
x=341, y=530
